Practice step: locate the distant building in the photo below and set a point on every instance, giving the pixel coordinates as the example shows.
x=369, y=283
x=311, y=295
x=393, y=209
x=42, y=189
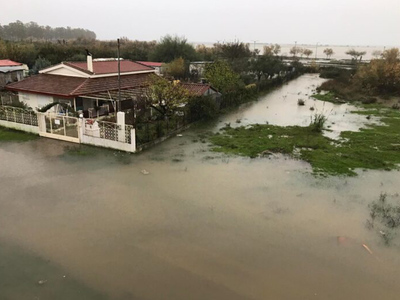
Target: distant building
x=11, y=71
x=156, y=65
x=197, y=68
x=200, y=89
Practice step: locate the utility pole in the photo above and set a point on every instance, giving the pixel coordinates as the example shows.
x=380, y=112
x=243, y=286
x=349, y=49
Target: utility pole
x=119, y=78
x=316, y=50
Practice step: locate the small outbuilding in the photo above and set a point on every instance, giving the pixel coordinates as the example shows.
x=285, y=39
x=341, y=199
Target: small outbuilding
x=11, y=71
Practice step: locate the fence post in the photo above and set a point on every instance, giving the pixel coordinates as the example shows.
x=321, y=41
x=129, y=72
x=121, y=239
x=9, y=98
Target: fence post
x=121, y=126
x=133, y=140
x=15, y=116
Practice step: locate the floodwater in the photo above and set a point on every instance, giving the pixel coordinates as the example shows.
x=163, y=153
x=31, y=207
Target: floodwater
x=200, y=225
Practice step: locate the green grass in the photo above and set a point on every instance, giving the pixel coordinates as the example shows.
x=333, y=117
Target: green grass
x=9, y=135
x=328, y=97
x=376, y=147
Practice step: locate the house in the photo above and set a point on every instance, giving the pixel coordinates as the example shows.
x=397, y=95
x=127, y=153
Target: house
x=84, y=86
x=11, y=71
x=156, y=65
x=197, y=68
x=201, y=89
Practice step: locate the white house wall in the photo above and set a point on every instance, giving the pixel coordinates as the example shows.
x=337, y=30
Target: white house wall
x=35, y=100
x=65, y=71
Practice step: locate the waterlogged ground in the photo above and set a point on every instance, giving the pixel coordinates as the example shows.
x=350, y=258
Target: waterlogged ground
x=200, y=225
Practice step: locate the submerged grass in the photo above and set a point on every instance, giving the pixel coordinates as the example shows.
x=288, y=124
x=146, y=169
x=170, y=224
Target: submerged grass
x=15, y=135
x=376, y=147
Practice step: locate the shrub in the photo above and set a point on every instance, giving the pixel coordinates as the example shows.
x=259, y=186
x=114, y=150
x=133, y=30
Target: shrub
x=202, y=108
x=301, y=102
x=318, y=121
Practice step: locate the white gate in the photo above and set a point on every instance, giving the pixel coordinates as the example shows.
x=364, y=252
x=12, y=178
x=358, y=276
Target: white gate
x=58, y=127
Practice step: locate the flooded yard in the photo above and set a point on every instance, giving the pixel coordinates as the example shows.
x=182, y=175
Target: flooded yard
x=179, y=221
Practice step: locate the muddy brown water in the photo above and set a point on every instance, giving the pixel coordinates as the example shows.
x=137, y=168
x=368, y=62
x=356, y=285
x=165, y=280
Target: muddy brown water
x=200, y=225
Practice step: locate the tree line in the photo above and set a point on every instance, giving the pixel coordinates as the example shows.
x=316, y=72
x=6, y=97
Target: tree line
x=18, y=31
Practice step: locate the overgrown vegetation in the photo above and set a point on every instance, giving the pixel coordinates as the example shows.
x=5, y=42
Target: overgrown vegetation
x=381, y=77
x=376, y=147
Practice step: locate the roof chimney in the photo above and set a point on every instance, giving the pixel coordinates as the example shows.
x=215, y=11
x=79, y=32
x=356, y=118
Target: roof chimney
x=90, y=63
x=89, y=60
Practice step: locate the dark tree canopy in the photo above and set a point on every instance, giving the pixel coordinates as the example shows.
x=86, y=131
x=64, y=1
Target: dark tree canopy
x=18, y=31
x=173, y=47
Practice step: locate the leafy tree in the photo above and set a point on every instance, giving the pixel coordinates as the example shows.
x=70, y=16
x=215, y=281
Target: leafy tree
x=176, y=68
x=221, y=76
x=166, y=96
x=307, y=52
x=328, y=52
x=272, y=49
x=40, y=63
x=207, y=53
x=381, y=75
x=173, y=47
x=356, y=54
x=237, y=54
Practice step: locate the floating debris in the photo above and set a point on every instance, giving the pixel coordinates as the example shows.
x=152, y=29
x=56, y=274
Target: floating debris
x=145, y=172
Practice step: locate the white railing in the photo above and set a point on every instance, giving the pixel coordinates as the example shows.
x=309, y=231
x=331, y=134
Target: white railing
x=18, y=115
x=108, y=130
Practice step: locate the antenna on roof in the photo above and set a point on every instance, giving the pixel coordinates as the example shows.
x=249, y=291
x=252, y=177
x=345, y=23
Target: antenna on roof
x=88, y=53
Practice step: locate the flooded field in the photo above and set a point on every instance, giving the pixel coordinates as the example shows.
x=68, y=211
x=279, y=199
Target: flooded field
x=200, y=225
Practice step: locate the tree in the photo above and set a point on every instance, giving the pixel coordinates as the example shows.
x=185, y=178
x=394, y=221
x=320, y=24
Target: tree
x=307, y=52
x=176, y=68
x=381, y=75
x=391, y=56
x=173, y=47
x=272, y=49
x=356, y=54
x=237, y=54
x=40, y=64
x=295, y=50
x=165, y=96
x=328, y=52
x=221, y=76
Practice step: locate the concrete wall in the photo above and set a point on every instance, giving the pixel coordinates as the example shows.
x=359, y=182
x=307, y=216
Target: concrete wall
x=18, y=126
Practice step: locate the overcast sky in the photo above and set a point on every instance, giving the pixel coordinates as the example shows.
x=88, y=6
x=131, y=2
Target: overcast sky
x=335, y=22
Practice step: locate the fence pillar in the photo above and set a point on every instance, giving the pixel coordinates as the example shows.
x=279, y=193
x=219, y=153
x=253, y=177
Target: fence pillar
x=121, y=126
x=41, y=122
x=133, y=140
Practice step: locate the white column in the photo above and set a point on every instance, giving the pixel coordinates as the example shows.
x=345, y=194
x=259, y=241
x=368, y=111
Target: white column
x=121, y=125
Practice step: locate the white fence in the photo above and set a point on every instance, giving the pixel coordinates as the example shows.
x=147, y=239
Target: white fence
x=19, y=119
x=18, y=115
x=78, y=130
x=107, y=134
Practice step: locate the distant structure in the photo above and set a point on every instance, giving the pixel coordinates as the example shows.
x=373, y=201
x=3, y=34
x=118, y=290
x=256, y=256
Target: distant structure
x=11, y=71
x=160, y=70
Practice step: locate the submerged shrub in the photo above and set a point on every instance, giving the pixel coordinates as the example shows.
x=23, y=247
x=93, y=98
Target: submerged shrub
x=301, y=102
x=318, y=121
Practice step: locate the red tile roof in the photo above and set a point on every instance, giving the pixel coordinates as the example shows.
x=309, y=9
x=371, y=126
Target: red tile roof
x=150, y=63
x=109, y=66
x=197, y=89
x=9, y=63
x=67, y=86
